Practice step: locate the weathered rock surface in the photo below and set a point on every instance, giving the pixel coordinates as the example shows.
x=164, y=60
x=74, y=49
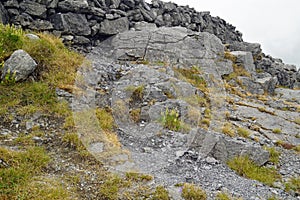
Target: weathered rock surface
x=113, y=27
x=3, y=14
x=20, y=65
x=88, y=22
x=191, y=155
x=245, y=59
x=136, y=73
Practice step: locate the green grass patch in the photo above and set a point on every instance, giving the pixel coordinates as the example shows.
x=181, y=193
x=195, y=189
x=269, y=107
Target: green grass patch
x=160, y=193
x=23, y=166
x=193, y=76
x=196, y=100
x=228, y=129
x=226, y=196
x=293, y=184
x=105, y=118
x=171, y=120
x=297, y=120
x=277, y=130
x=138, y=177
x=193, y=192
x=247, y=168
x=110, y=188
x=274, y=154
x=57, y=67
x=243, y=132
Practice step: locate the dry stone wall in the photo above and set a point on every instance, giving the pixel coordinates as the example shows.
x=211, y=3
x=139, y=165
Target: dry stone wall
x=84, y=22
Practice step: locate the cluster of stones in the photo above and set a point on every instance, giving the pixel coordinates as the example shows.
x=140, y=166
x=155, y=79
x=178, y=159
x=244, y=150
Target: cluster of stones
x=83, y=23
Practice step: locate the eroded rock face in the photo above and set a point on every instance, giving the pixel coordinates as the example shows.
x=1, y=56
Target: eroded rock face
x=113, y=27
x=3, y=14
x=170, y=45
x=224, y=148
x=20, y=65
x=245, y=59
x=71, y=23
x=88, y=22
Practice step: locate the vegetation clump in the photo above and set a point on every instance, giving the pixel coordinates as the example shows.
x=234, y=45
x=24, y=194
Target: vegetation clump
x=277, y=130
x=170, y=119
x=22, y=167
x=274, y=155
x=226, y=196
x=160, y=194
x=293, y=184
x=56, y=68
x=228, y=129
x=243, y=132
x=193, y=192
x=193, y=76
x=247, y=168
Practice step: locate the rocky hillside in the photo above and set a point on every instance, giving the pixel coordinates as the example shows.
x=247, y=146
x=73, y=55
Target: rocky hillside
x=170, y=104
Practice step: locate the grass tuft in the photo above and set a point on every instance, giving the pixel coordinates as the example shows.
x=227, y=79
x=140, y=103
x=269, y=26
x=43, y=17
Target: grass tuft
x=170, y=119
x=193, y=192
x=243, y=132
x=23, y=166
x=193, y=76
x=160, y=194
x=247, y=168
x=293, y=184
x=228, y=129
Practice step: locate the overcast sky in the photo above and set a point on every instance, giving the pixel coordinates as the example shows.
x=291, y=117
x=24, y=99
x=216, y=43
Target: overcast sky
x=275, y=24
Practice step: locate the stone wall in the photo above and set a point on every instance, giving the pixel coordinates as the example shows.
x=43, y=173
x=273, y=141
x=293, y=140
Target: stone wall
x=83, y=22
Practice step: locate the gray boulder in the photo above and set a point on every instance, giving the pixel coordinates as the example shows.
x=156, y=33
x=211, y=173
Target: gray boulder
x=245, y=60
x=176, y=45
x=286, y=74
x=254, y=48
x=21, y=64
x=112, y=27
x=267, y=82
x=288, y=94
x=52, y=4
x=224, y=148
x=71, y=23
x=34, y=9
x=41, y=25
x=73, y=5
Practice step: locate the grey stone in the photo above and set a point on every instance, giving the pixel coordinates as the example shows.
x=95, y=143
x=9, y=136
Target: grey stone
x=173, y=45
x=129, y=3
x=34, y=9
x=288, y=94
x=3, y=14
x=224, y=148
x=254, y=48
x=11, y=4
x=52, y=4
x=139, y=26
x=32, y=36
x=112, y=27
x=71, y=23
x=19, y=63
x=73, y=5
x=24, y=19
x=268, y=83
x=81, y=40
x=245, y=60
x=41, y=25
x=113, y=3
x=96, y=147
